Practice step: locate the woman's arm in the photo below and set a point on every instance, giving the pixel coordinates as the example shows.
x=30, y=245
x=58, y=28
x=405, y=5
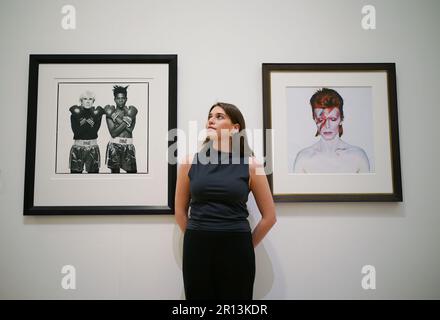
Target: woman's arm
x=182, y=198
x=263, y=197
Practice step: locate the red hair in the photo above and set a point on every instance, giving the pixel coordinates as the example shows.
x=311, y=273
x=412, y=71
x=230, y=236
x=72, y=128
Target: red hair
x=327, y=98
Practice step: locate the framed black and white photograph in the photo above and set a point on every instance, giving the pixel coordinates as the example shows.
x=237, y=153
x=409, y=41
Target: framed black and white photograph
x=333, y=132
x=98, y=134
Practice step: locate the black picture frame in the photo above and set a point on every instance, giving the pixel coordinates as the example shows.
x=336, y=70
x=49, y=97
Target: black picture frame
x=123, y=62
x=277, y=80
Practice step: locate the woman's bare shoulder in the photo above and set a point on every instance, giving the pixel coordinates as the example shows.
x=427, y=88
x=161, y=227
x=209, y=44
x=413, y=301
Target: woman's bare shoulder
x=256, y=166
x=187, y=160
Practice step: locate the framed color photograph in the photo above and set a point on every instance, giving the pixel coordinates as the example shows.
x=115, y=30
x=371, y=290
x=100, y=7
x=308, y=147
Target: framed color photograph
x=98, y=134
x=333, y=132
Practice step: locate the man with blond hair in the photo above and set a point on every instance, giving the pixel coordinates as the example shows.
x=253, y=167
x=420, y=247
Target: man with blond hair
x=85, y=120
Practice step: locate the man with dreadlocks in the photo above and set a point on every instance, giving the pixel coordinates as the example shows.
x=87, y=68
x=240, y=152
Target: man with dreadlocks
x=85, y=120
x=121, y=121
x=330, y=154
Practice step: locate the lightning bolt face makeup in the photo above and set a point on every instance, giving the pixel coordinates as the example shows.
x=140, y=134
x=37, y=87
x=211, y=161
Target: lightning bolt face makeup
x=327, y=121
x=328, y=113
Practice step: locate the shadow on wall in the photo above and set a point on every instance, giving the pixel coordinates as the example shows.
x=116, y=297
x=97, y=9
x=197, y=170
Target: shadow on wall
x=178, y=254
x=265, y=262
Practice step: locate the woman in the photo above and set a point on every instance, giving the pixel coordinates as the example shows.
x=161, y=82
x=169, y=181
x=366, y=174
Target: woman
x=218, y=247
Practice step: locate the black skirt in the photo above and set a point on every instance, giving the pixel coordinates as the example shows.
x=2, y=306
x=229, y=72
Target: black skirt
x=218, y=265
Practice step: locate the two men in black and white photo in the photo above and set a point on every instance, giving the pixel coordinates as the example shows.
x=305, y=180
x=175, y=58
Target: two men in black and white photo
x=85, y=123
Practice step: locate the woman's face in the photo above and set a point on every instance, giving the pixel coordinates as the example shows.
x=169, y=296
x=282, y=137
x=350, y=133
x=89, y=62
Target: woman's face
x=219, y=124
x=327, y=121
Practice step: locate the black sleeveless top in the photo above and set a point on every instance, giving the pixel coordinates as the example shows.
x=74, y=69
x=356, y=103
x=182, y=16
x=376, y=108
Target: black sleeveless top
x=219, y=186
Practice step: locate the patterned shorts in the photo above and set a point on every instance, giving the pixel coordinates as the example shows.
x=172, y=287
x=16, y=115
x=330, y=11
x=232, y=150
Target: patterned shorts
x=121, y=156
x=88, y=157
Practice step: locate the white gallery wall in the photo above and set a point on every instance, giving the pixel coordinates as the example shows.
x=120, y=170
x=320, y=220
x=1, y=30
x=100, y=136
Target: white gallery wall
x=316, y=250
